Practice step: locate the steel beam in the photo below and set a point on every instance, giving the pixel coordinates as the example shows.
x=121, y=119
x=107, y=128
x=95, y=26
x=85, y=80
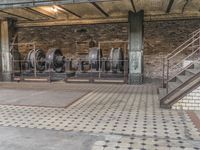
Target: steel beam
x=70, y=22
x=133, y=5
x=169, y=6
x=34, y=3
x=11, y=14
x=165, y=17
x=186, y=2
x=100, y=9
x=68, y=11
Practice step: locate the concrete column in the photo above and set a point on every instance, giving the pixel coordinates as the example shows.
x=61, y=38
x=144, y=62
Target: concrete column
x=136, y=47
x=6, y=63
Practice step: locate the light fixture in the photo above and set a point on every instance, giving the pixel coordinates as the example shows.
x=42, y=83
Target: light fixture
x=54, y=9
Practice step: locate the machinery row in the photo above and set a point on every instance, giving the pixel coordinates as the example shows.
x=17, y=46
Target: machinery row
x=54, y=60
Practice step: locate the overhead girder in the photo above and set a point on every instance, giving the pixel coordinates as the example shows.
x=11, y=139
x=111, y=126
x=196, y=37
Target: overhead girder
x=22, y=24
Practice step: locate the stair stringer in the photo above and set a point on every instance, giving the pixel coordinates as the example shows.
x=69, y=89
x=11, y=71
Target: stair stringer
x=190, y=100
x=180, y=92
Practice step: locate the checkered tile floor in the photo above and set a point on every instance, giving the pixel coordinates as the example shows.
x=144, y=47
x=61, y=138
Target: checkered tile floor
x=129, y=116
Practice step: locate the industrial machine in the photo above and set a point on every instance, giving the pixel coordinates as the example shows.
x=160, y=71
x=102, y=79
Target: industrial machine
x=95, y=55
x=55, y=60
x=55, y=64
x=116, y=59
x=35, y=60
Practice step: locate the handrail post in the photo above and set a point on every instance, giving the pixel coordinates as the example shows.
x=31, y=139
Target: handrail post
x=199, y=42
x=193, y=43
x=163, y=72
x=167, y=75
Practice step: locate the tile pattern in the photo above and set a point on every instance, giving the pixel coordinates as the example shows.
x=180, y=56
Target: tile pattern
x=130, y=115
x=190, y=102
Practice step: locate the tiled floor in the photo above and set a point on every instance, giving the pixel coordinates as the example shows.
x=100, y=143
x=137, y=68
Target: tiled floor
x=128, y=116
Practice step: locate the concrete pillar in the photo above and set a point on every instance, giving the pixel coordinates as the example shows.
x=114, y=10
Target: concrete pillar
x=6, y=62
x=136, y=47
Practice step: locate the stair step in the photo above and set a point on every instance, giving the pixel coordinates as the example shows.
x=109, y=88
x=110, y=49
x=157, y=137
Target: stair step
x=183, y=78
x=197, y=65
x=173, y=85
x=194, y=71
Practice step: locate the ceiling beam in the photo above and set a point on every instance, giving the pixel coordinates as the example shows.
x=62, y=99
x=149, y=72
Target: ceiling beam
x=133, y=5
x=34, y=3
x=68, y=11
x=100, y=9
x=18, y=16
x=70, y=22
x=38, y=13
x=164, y=17
x=169, y=6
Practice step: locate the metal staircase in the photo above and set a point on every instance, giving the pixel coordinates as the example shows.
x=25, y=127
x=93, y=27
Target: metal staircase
x=181, y=71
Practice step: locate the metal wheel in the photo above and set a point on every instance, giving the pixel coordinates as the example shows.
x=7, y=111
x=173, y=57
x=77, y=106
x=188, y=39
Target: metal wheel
x=38, y=57
x=55, y=60
x=116, y=59
x=95, y=55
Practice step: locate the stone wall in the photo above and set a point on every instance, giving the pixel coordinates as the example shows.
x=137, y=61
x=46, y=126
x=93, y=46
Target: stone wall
x=160, y=38
x=190, y=102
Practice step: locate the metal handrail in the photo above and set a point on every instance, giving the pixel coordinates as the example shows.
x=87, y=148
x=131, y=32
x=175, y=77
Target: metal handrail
x=191, y=38
x=195, y=31
x=169, y=58
x=181, y=61
x=178, y=50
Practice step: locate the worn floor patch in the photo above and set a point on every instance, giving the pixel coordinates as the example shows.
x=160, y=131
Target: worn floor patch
x=195, y=119
x=45, y=98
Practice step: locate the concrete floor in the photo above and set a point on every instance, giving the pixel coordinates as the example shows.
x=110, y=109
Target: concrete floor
x=44, y=98
x=108, y=117
x=33, y=139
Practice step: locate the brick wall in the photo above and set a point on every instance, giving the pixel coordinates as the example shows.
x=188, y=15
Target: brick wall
x=190, y=102
x=160, y=38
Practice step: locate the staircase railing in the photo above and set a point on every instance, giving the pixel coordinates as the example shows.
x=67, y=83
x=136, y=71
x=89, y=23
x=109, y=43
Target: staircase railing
x=174, y=61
